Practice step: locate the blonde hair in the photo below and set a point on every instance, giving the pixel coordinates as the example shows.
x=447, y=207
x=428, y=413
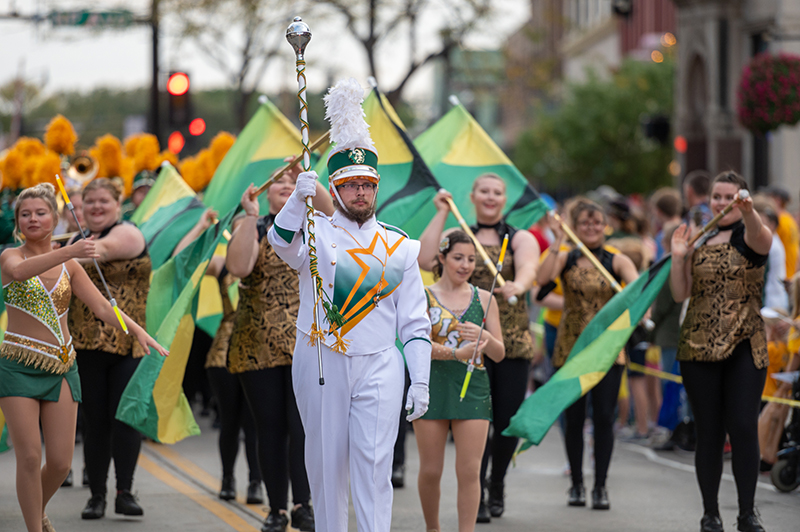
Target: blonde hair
x=488, y=176
x=112, y=186
x=42, y=191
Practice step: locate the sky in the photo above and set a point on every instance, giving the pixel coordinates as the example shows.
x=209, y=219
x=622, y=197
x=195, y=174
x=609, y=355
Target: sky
x=81, y=59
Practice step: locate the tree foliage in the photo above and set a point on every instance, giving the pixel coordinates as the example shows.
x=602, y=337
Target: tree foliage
x=375, y=24
x=239, y=37
x=595, y=136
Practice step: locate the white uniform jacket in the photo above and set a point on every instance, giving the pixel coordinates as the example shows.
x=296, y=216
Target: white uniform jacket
x=354, y=263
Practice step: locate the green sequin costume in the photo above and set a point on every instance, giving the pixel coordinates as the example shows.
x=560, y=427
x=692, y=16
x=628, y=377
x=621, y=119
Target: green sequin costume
x=447, y=376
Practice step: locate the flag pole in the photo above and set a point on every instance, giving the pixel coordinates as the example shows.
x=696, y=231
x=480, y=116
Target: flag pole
x=481, y=251
x=97, y=266
x=299, y=34
x=475, y=355
x=291, y=164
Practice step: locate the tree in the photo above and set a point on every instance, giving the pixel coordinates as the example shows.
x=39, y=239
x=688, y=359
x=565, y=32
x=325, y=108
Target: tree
x=240, y=37
x=374, y=22
x=595, y=136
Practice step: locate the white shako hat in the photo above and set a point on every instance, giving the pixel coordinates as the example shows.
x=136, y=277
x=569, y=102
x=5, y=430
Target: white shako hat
x=354, y=156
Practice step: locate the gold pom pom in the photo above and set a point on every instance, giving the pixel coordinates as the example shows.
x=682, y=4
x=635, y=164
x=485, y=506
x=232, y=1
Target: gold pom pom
x=13, y=169
x=29, y=147
x=131, y=144
x=146, y=155
x=48, y=165
x=167, y=155
x=127, y=173
x=60, y=136
x=108, y=153
x=220, y=145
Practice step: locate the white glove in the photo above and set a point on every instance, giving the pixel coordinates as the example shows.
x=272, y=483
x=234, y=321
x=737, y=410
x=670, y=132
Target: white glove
x=306, y=184
x=417, y=402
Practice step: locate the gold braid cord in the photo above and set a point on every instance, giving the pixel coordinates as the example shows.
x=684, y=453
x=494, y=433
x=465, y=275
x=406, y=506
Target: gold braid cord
x=332, y=313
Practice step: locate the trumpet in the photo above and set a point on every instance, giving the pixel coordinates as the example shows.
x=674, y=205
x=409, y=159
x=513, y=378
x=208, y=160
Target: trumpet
x=83, y=168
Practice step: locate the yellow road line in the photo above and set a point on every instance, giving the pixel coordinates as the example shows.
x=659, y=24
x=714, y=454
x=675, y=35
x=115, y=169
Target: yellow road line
x=220, y=510
x=677, y=378
x=199, y=474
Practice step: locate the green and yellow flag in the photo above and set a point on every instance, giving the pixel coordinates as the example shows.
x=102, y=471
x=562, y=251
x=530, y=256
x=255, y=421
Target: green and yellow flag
x=406, y=181
x=168, y=188
x=458, y=150
x=259, y=150
x=590, y=359
x=153, y=401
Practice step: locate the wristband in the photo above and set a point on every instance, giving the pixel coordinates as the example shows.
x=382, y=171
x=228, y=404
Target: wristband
x=453, y=352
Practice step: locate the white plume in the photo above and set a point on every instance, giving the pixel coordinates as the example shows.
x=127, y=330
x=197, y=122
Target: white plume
x=344, y=112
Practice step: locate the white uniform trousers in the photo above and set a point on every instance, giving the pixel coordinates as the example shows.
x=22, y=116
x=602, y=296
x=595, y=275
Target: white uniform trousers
x=351, y=426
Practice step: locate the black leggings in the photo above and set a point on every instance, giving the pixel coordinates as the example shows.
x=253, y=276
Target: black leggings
x=234, y=415
x=726, y=397
x=508, y=382
x=604, y=403
x=103, y=379
x=281, y=440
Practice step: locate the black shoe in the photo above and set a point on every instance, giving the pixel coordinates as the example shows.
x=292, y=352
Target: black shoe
x=95, y=508
x=85, y=479
x=126, y=504
x=749, y=522
x=600, y=498
x=711, y=523
x=67, y=481
x=275, y=522
x=228, y=490
x=303, y=518
x=254, y=493
x=398, y=476
x=495, y=501
x=576, y=496
x=483, y=514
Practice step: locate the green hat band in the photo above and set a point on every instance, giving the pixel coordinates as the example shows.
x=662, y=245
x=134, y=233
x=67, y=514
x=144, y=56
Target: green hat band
x=354, y=157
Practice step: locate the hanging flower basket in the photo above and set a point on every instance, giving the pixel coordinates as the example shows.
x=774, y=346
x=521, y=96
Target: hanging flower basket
x=768, y=92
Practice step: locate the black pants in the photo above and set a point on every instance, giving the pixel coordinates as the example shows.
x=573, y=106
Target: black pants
x=508, y=382
x=194, y=378
x=604, y=403
x=281, y=440
x=103, y=379
x=726, y=397
x=234, y=415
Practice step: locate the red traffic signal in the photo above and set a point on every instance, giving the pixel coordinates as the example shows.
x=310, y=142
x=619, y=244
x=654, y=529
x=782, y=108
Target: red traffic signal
x=197, y=126
x=176, y=142
x=178, y=83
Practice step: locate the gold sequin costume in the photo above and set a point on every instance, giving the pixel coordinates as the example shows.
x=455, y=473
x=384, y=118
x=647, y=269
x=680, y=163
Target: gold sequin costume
x=48, y=307
x=218, y=352
x=513, y=318
x=264, y=328
x=727, y=287
x=585, y=293
x=129, y=282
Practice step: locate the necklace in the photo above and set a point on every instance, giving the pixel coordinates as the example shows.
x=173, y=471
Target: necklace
x=383, y=262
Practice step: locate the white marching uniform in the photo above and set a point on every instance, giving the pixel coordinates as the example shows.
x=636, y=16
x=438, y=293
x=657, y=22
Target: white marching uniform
x=351, y=421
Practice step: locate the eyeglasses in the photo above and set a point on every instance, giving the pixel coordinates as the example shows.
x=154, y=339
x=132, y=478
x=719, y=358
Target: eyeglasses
x=356, y=187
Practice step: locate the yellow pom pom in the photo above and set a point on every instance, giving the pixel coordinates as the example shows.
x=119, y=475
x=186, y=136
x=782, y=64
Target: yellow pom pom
x=131, y=144
x=147, y=151
x=13, y=169
x=167, y=155
x=29, y=147
x=60, y=136
x=190, y=169
x=48, y=165
x=220, y=145
x=127, y=173
x=108, y=153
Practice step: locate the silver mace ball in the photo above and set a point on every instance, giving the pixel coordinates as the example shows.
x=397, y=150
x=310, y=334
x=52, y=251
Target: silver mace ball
x=298, y=34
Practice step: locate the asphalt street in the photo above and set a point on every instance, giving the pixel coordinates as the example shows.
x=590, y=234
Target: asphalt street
x=650, y=491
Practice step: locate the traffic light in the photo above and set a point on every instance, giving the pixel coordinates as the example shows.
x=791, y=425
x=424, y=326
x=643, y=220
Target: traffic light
x=180, y=108
x=657, y=127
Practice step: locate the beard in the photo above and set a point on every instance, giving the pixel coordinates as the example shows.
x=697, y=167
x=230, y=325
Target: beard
x=358, y=216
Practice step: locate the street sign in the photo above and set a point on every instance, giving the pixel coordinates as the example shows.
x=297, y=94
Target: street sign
x=96, y=19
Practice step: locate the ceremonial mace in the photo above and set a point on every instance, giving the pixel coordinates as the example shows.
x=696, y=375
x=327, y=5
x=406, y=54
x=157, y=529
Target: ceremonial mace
x=475, y=354
x=97, y=266
x=481, y=251
x=298, y=34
